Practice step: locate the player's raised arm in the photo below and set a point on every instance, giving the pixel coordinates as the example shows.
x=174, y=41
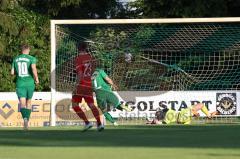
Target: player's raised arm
x=12, y=69
x=35, y=74
x=110, y=81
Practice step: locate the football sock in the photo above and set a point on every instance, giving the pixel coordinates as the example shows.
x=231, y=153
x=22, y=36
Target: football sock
x=81, y=114
x=109, y=117
x=96, y=115
x=119, y=107
x=25, y=113
x=123, y=107
x=205, y=111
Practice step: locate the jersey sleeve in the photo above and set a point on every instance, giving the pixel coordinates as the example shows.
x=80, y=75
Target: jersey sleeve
x=103, y=74
x=33, y=60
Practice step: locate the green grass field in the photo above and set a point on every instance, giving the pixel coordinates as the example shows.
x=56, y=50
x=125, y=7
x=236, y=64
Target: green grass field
x=166, y=142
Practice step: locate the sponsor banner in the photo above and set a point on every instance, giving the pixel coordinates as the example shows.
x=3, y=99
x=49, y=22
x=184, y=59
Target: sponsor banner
x=144, y=104
x=226, y=103
x=10, y=115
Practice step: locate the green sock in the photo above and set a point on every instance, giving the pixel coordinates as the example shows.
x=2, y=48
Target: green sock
x=119, y=107
x=25, y=113
x=109, y=117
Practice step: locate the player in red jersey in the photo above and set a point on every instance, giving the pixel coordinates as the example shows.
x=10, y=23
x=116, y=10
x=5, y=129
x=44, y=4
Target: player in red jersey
x=83, y=90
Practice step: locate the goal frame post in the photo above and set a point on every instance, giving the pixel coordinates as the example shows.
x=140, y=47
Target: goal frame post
x=115, y=21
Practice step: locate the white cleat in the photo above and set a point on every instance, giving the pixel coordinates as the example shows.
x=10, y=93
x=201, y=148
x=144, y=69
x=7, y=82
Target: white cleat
x=126, y=108
x=25, y=124
x=115, y=123
x=87, y=127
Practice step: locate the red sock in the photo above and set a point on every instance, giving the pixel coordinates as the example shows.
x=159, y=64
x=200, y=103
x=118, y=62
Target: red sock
x=96, y=114
x=81, y=114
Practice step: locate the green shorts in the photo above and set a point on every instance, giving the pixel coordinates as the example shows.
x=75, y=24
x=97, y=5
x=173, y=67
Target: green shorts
x=25, y=92
x=105, y=99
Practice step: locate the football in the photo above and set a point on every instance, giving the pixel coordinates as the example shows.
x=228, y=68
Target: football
x=128, y=57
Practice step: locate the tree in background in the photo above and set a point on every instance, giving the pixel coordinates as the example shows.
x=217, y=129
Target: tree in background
x=19, y=26
x=75, y=9
x=183, y=8
x=27, y=21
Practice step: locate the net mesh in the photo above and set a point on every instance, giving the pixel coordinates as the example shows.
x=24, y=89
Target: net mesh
x=155, y=57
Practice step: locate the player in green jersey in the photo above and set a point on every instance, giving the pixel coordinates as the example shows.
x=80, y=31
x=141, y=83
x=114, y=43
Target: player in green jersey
x=167, y=116
x=102, y=86
x=24, y=67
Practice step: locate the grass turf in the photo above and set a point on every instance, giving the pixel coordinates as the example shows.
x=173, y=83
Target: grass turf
x=171, y=142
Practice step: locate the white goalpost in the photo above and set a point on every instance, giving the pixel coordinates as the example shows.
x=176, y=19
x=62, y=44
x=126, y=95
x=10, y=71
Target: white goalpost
x=174, y=62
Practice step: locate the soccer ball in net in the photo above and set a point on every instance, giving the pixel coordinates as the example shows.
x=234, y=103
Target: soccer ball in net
x=128, y=57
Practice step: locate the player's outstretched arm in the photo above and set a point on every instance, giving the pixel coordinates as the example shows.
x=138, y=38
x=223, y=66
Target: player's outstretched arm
x=35, y=74
x=12, y=71
x=110, y=81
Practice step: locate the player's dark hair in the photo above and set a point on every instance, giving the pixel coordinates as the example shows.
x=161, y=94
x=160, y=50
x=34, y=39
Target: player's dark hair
x=161, y=113
x=25, y=46
x=82, y=46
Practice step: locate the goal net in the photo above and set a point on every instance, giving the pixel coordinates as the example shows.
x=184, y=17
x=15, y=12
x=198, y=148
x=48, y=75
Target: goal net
x=151, y=55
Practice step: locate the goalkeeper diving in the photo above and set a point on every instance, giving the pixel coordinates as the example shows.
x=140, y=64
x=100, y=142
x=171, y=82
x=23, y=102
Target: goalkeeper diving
x=168, y=116
x=103, y=87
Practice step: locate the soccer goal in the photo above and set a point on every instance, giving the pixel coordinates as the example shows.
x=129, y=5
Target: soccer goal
x=155, y=62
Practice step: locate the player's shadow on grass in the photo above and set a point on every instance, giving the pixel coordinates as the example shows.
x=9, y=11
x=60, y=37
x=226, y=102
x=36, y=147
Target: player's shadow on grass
x=134, y=136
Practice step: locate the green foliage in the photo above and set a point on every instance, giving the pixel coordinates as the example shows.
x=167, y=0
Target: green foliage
x=142, y=35
x=183, y=8
x=27, y=21
x=110, y=44
x=66, y=50
x=75, y=9
x=107, y=45
x=21, y=26
x=116, y=43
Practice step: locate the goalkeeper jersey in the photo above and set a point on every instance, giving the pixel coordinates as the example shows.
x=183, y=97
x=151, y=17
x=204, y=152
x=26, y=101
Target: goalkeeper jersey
x=99, y=82
x=22, y=66
x=181, y=117
x=184, y=116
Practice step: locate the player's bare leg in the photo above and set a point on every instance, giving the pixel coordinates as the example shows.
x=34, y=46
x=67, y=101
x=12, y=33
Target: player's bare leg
x=201, y=107
x=213, y=114
x=195, y=110
x=96, y=114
